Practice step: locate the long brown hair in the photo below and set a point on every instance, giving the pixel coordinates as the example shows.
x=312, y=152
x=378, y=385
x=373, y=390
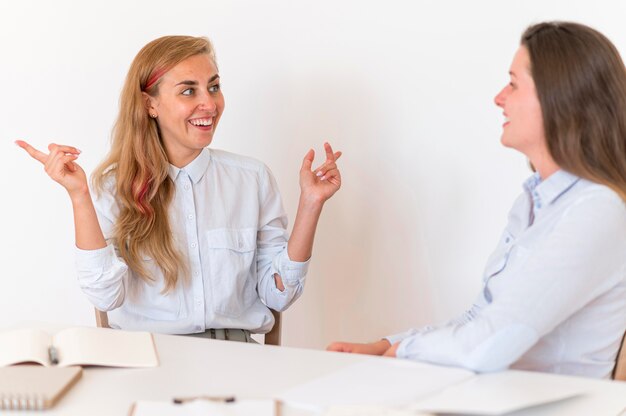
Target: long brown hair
x=139, y=164
x=580, y=80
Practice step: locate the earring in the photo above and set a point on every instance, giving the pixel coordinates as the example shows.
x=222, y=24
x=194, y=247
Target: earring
x=153, y=115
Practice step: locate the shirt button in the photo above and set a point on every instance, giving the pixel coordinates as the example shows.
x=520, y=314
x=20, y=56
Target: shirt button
x=195, y=273
x=190, y=216
x=507, y=240
x=187, y=187
x=193, y=245
x=198, y=328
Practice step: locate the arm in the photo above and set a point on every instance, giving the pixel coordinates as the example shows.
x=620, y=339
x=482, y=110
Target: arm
x=316, y=187
x=60, y=165
x=282, y=267
x=100, y=272
x=577, y=261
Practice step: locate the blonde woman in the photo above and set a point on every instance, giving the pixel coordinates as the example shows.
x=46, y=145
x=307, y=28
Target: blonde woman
x=554, y=291
x=181, y=238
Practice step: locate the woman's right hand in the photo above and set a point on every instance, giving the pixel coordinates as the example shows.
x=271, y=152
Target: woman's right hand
x=374, y=348
x=60, y=165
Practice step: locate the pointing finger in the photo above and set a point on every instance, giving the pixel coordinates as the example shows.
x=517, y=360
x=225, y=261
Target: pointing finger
x=34, y=153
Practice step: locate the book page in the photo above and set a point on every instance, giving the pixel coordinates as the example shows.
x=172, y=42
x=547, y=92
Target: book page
x=105, y=347
x=24, y=346
x=502, y=393
x=375, y=381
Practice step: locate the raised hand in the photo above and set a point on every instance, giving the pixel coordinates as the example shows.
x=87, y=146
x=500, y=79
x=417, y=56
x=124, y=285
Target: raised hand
x=320, y=184
x=60, y=165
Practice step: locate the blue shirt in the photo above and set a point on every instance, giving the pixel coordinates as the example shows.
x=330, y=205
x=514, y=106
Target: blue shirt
x=228, y=220
x=554, y=293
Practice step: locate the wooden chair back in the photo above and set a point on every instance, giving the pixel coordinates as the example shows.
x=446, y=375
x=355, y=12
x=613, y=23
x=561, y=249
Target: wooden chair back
x=619, y=372
x=271, y=338
x=102, y=319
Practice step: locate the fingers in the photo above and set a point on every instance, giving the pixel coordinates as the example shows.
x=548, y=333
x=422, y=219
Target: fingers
x=63, y=148
x=307, y=162
x=34, y=153
x=61, y=160
x=58, y=165
x=339, y=347
x=330, y=155
x=329, y=168
x=331, y=158
x=54, y=148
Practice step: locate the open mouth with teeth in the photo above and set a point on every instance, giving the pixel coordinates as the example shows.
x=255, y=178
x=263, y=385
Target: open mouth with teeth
x=202, y=123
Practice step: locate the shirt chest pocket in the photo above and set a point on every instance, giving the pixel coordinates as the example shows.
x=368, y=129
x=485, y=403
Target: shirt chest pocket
x=232, y=273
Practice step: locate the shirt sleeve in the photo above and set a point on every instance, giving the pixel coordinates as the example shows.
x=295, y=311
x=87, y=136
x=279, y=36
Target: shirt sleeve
x=272, y=257
x=102, y=274
x=579, y=259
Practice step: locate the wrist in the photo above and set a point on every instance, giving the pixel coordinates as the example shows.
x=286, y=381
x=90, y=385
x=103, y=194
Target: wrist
x=382, y=346
x=311, y=203
x=80, y=196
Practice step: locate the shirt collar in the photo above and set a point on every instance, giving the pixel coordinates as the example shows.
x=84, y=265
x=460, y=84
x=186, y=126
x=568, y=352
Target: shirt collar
x=195, y=169
x=545, y=192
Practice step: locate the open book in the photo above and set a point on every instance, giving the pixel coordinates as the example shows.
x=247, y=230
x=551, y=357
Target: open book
x=78, y=346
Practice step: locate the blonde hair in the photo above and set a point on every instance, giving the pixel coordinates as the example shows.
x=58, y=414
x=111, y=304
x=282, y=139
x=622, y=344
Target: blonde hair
x=139, y=164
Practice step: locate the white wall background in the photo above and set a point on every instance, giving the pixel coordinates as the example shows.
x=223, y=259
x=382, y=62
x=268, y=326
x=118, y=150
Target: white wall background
x=404, y=88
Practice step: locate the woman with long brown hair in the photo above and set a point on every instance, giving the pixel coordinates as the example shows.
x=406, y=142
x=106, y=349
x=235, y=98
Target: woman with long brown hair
x=554, y=292
x=181, y=238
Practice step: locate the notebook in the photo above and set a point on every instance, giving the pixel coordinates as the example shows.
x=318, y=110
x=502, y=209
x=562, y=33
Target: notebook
x=78, y=346
x=33, y=387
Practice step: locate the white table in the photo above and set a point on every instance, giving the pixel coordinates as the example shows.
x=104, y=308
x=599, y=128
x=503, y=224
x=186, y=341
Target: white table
x=192, y=366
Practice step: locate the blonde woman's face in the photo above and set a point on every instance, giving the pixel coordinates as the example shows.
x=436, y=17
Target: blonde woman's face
x=188, y=107
x=523, y=120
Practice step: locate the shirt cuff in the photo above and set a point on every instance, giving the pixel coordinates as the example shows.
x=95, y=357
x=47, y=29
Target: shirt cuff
x=98, y=259
x=291, y=272
x=401, y=351
x=399, y=337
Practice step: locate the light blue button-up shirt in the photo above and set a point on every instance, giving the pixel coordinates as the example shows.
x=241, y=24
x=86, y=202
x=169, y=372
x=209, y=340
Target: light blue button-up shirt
x=228, y=220
x=554, y=293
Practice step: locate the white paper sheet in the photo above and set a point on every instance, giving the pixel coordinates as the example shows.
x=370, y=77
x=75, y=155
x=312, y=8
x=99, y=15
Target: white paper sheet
x=356, y=410
x=499, y=393
x=376, y=381
x=205, y=408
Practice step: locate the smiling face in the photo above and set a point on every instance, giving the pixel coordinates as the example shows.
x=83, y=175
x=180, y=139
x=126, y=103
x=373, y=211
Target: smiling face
x=188, y=106
x=523, y=120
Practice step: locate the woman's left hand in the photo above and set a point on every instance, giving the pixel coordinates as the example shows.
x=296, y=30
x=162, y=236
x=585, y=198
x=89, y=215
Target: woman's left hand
x=320, y=184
